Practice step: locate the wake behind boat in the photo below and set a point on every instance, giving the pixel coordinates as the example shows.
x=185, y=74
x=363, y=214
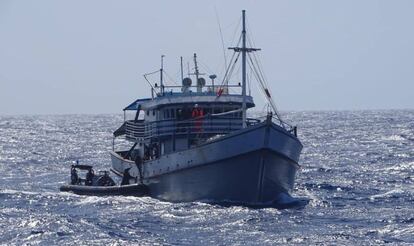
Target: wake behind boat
x=195, y=142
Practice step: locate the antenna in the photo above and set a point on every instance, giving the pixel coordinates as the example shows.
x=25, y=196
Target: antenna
x=221, y=36
x=196, y=72
x=200, y=81
x=161, y=72
x=182, y=74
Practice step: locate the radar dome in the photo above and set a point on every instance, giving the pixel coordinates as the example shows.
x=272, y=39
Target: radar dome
x=187, y=82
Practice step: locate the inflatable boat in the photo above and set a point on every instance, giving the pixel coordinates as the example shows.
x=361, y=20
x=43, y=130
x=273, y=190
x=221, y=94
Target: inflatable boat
x=101, y=184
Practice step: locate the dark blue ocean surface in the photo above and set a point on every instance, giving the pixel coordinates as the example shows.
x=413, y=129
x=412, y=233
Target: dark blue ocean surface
x=357, y=167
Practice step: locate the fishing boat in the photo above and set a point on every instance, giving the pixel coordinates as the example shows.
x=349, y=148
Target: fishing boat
x=194, y=142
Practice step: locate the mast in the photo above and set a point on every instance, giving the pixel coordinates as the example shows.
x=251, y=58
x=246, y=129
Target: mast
x=197, y=73
x=244, y=108
x=244, y=51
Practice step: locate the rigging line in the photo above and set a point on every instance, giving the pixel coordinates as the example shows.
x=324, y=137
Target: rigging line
x=250, y=40
x=178, y=74
x=230, y=71
x=204, y=65
x=265, y=89
x=231, y=64
x=233, y=77
x=277, y=115
x=269, y=99
x=156, y=71
x=236, y=30
x=145, y=77
x=259, y=66
x=260, y=69
x=232, y=67
x=250, y=33
x=233, y=38
x=237, y=73
x=170, y=78
x=254, y=69
x=257, y=60
x=228, y=68
x=258, y=85
x=221, y=36
x=249, y=83
x=254, y=74
x=263, y=81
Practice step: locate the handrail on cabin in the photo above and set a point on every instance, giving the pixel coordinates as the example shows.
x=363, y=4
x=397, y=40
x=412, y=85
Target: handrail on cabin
x=206, y=124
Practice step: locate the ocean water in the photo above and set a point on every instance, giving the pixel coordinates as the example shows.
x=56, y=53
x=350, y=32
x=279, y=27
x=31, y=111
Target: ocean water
x=357, y=169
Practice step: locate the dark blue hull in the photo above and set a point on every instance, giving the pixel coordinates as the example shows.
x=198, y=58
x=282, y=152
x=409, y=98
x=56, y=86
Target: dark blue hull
x=252, y=178
x=253, y=166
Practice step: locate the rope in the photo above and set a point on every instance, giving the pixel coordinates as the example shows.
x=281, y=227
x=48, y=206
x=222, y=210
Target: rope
x=260, y=75
x=145, y=77
x=221, y=36
x=230, y=69
x=264, y=86
x=169, y=77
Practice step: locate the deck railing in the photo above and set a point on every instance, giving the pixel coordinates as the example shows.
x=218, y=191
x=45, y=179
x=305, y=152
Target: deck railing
x=203, y=126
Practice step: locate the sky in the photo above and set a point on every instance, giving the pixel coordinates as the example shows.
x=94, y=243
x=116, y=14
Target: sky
x=68, y=57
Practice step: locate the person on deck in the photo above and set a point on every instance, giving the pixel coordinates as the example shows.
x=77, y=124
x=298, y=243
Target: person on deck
x=126, y=177
x=89, y=177
x=74, y=176
x=197, y=114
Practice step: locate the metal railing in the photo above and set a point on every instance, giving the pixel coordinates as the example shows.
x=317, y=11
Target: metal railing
x=207, y=125
x=204, y=126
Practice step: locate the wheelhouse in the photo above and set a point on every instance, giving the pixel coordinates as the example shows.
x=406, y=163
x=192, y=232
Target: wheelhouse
x=174, y=122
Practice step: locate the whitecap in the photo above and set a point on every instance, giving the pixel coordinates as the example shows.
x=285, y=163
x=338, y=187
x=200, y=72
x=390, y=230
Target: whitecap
x=393, y=138
x=387, y=194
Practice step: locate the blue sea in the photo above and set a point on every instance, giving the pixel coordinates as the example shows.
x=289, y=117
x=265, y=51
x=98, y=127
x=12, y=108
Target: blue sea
x=357, y=168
